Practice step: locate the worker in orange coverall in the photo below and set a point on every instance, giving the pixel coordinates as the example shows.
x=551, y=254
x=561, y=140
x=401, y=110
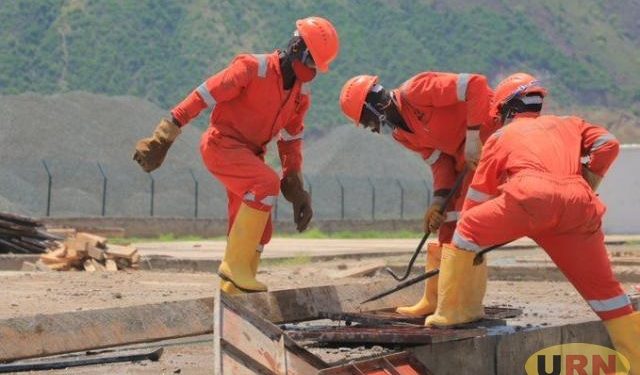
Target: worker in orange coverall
x=443, y=117
x=258, y=97
x=537, y=177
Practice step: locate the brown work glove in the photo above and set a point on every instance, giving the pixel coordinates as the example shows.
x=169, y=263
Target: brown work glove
x=433, y=218
x=291, y=187
x=150, y=152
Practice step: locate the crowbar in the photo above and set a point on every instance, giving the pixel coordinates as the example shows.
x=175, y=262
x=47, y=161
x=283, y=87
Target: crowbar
x=447, y=200
x=479, y=258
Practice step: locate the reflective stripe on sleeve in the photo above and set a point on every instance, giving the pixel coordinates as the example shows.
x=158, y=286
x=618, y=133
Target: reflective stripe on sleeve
x=206, y=95
x=464, y=244
x=478, y=196
x=287, y=137
x=452, y=216
x=602, y=140
x=433, y=157
x=463, y=82
x=262, y=65
x=602, y=305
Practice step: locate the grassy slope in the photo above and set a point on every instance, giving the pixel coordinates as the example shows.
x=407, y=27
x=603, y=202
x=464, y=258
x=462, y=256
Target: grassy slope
x=161, y=49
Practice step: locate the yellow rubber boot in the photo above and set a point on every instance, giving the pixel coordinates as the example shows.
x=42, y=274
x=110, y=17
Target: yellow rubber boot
x=625, y=335
x=427, y=305
x=244, y=237
x=228, y=286
x=255, y=262
x=460, y=290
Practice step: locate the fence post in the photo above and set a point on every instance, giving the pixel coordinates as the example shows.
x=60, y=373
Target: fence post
x=46, y=168
x=275, y=210
x=341, y=198
x=428, y=189
x=153, y=190
x=373, y=199
x=401, y=199
x=195, y=184
x=104, y=189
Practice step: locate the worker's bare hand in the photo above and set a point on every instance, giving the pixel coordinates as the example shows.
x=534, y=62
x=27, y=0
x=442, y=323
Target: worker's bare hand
x=302, y=212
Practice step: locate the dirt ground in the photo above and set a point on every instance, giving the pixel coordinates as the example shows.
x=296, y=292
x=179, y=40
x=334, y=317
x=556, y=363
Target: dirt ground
x=29, y=293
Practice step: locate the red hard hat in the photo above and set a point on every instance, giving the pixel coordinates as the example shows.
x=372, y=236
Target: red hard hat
x=321, y=38
x=353, y=94
x=518, y=84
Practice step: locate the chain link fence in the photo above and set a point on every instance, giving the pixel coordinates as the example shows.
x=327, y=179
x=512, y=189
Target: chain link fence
x=81, y=188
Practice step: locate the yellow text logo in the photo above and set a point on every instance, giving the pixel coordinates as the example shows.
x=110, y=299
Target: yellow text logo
x=577, y=359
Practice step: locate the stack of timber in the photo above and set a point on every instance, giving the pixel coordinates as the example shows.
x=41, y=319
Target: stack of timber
x=88, y=252
x=23, y=235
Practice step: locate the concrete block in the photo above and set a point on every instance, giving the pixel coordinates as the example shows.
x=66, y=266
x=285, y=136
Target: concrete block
x=465, y=357
x=513, y=350
x=588, y=332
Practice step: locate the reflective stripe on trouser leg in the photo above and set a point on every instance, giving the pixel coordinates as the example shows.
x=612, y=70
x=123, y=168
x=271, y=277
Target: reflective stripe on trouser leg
x=583, y=259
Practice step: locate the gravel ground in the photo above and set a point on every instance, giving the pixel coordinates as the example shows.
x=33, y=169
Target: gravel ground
x=544, y=303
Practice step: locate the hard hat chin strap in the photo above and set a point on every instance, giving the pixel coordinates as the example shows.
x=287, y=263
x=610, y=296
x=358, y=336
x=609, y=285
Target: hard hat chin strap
x=515, y=105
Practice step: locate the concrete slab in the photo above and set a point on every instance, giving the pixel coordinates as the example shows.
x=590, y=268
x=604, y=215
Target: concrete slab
x=295, y=247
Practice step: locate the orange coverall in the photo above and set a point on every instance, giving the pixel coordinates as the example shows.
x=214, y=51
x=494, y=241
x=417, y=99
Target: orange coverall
x=250, y=108
x=529, y=183
x=438, y=108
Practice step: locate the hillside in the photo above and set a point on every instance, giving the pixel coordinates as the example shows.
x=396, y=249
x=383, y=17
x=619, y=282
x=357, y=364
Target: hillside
x=588, y=52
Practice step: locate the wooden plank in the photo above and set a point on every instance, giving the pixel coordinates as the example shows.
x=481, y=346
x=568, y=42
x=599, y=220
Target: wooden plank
x=95, y=253
x=43, y=335
x=256, y=343
x=111, y=265
x=92, y=240
x=62, y=232
x=89, y=266
x=98, y=266
x=294, y=305
x=79, y=246
x=121, y=251
x=360, y=271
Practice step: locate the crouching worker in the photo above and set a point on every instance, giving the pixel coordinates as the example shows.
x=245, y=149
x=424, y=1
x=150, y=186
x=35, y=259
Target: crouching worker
x=537, y=177
x=442, y=117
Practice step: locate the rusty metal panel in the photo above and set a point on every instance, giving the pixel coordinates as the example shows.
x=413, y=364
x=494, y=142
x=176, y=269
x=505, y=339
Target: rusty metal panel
x=403, y=363
x=493, y=316
x=385, y=334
